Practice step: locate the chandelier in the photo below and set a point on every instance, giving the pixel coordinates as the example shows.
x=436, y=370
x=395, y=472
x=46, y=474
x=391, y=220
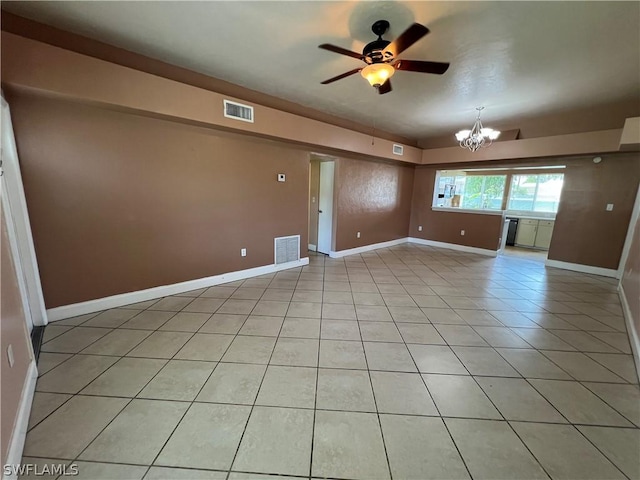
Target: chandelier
x=477, y=137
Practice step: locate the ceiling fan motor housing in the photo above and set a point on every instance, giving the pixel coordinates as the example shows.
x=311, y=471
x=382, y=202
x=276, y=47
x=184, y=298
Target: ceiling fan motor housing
x=373, y=52
x=380, y=57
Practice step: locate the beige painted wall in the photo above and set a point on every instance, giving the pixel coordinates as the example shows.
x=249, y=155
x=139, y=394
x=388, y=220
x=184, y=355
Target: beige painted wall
x=602, y=141
x=94, y=48
x=373, y=198
x=120, y=203
x=584, y=232
x=28, y=64
x=481, y=231
x=13, y=331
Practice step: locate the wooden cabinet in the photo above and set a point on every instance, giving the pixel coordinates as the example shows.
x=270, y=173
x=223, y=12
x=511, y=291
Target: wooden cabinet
x=526, y=235
x=543, y=236
x=534, y=233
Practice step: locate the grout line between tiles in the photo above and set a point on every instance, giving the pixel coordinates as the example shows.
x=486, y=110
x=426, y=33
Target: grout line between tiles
x=388, y=263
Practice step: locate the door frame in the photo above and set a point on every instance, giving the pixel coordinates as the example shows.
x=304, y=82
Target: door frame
x=326, y=194
x=635, y=217
x=16, y=214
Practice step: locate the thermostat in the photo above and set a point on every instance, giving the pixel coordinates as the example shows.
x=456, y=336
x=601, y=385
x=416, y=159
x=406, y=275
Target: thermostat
x=281, y=177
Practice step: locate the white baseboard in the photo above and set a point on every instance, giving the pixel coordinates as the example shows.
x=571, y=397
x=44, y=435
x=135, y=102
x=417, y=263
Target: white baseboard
x=312, y=247
x=454, y=246
x=631, y=328
x=577, y=267
x=14, y=455
x=367, y=248
x=97, y=305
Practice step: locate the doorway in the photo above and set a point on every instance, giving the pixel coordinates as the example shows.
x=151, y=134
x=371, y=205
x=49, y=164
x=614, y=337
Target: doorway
x=321, y=179
x=14, y=206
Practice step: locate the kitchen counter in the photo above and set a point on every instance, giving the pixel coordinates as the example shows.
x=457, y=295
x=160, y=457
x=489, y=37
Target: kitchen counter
x=507, y=213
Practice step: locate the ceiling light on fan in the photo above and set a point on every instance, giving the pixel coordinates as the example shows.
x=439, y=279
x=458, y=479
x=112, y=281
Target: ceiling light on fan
x=381, y=57
x=378, y=73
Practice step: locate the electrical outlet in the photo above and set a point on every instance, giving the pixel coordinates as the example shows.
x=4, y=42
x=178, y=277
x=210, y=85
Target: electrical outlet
x=243, y=252
x=419, y=228
x=462, y=232
x=609, y=207
x=358, y=235
x=10, y=355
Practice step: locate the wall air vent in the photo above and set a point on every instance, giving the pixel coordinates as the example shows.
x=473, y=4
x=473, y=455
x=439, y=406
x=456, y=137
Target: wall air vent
x=287, y=249
x=238, y=111
x=398, y=149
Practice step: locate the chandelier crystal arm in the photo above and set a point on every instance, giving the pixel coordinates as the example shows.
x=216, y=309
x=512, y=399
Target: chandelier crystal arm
x=478, y=136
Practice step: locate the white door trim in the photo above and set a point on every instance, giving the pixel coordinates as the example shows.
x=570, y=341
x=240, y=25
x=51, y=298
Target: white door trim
x=19, y=228
x=325, y=207
x=635, y=214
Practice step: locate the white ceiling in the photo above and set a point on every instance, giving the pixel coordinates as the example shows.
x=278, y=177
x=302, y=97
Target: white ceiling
x=518, y=59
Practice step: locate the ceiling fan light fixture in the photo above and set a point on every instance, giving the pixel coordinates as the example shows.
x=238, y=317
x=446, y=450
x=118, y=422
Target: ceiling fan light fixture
x=377, y=73
x=478, y=135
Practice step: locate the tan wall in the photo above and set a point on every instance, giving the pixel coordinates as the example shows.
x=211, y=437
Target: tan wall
x=373, y=198
x=481, y=231
x=631, y=278
x=601, y=141
x=314, y=192
x=630, y=138
x=584, y=232
x=28, y=64
x=585, y=119
x=94, y=48
x=120, y=203
x=13, y=331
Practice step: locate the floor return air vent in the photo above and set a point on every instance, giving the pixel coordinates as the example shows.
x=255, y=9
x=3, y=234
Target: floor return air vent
x=287, y=249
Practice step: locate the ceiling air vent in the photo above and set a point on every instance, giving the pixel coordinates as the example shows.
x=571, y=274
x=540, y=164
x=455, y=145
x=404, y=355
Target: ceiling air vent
x=238, y=111
x=398, y=149
x=287, y=249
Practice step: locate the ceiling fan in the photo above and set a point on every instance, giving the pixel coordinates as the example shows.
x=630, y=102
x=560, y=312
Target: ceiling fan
x=381, y=57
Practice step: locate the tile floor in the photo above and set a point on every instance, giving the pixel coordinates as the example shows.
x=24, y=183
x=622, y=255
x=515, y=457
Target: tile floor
x=407, y=363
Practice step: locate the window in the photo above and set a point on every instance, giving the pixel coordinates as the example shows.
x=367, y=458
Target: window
x=480, y=192
x=536, y=193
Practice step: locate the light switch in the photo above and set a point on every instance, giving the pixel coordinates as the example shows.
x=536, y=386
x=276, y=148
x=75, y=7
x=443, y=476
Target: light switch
x=281, y=177
x=609, y=207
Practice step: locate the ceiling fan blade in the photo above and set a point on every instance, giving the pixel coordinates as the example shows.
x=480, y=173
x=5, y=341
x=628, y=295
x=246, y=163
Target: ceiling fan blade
x=340, y=50
x=385, y=87
x=340, y=77
x=407, y=38
x=437, y=68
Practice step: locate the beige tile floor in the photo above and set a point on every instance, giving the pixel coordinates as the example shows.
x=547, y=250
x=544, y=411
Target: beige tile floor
x=407, y=363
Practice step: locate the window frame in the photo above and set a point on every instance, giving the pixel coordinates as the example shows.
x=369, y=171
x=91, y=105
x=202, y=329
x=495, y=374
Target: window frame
x=461, y=173
x=509, y=174
x=535, y=193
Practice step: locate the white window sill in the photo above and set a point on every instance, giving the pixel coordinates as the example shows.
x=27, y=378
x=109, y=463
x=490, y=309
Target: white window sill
x=467, y=210
x=530, y=215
